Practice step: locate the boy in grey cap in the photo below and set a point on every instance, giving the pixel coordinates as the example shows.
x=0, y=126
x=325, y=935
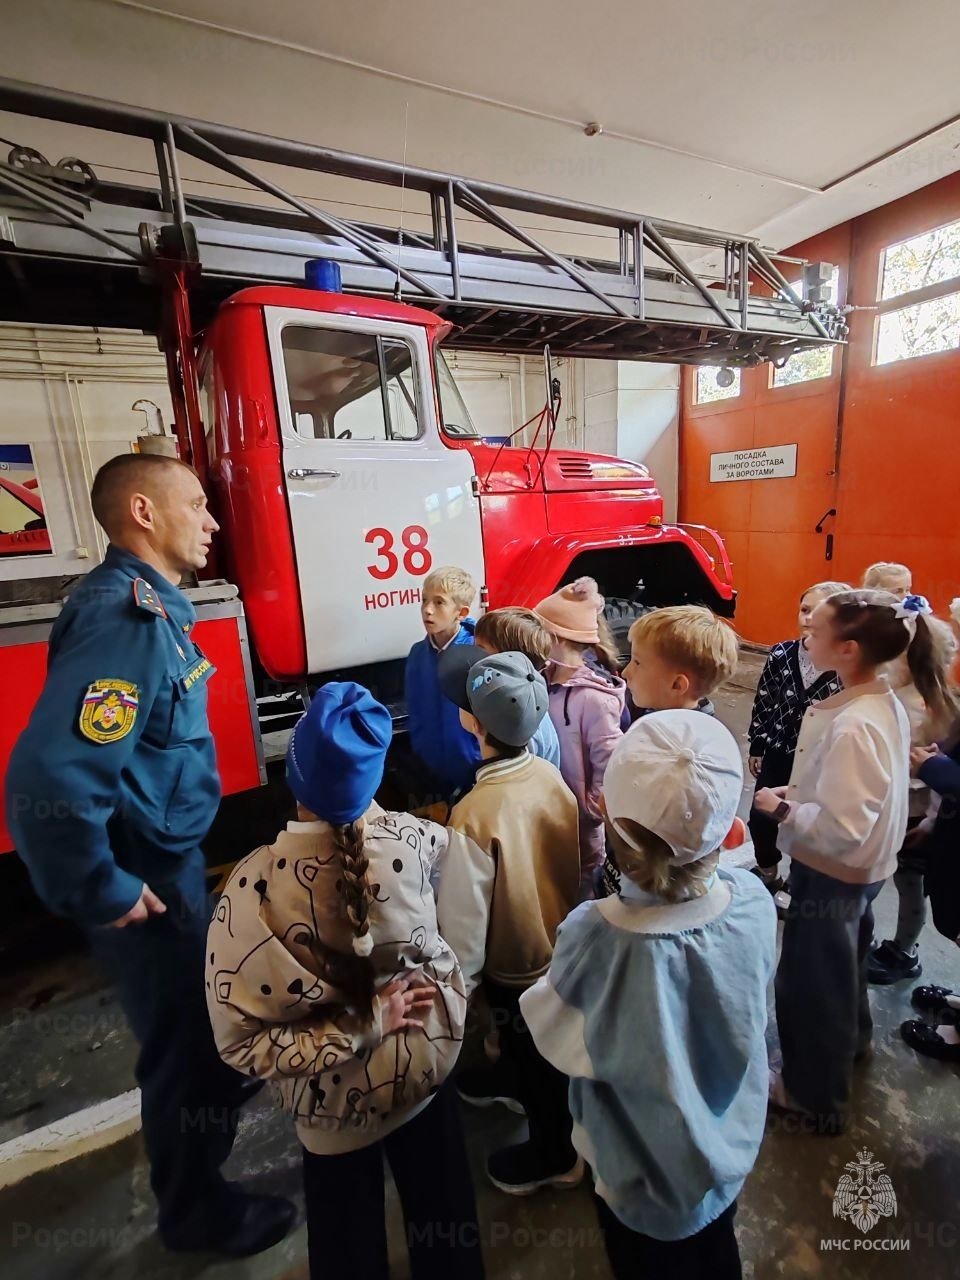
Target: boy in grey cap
x=511, y=875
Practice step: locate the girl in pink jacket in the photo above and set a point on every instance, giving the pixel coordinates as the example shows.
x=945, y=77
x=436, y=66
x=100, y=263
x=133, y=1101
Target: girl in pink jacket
x=586, y=705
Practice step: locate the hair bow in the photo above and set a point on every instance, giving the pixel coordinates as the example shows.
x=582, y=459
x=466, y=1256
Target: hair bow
x=910, y=606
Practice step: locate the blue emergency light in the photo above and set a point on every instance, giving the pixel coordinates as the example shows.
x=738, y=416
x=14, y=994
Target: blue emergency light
x=321, y=273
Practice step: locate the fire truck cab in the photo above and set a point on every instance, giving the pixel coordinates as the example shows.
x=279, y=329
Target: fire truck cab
x=344, y=465
x=330, y=474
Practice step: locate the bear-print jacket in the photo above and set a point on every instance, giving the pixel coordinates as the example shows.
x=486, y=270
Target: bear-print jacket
x=277, y=945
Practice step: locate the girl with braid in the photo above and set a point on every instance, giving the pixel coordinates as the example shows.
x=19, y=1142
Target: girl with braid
x=327, y=976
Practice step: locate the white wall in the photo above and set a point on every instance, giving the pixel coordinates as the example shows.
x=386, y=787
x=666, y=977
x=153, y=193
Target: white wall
x=504, y=392
x=648, y=414
x=494, y=389
x=626, y=408
x=632, y=410
x=68, y=394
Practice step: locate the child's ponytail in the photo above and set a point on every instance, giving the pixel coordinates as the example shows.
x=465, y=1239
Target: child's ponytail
x=605, y=648
x=928, y=659
x=356, y=893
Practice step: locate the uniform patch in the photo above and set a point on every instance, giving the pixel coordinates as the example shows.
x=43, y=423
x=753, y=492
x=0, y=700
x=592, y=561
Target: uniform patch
x=145, y=597
x=203, y=668
x=109, y=710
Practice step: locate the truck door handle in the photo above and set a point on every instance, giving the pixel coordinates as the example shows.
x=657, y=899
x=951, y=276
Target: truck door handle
x=301, y=473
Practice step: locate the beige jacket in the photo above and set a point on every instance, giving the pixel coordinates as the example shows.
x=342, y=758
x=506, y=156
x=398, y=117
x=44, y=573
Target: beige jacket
x=848, y=789
x=511, y=873
x=272, y=958
x=924, y=729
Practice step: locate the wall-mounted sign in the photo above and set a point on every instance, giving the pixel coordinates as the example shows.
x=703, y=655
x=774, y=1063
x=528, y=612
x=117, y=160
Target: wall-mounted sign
x=23, y=525
x=772, y=463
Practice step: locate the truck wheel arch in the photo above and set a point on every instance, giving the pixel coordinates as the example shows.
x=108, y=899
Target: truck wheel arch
x=649, y=574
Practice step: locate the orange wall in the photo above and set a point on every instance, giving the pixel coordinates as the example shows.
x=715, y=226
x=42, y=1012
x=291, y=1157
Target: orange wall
x=879, y=443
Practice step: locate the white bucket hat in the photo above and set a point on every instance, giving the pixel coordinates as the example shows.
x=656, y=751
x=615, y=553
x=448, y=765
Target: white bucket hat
x=678, y=774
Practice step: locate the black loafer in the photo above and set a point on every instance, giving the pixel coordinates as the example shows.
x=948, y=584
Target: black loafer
x=928, y=1040
x=262, y=1222
x=931, y=999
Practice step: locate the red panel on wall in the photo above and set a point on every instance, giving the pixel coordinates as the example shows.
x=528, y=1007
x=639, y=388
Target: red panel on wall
x=878, y=443
x=769, y=523
x=900, y=465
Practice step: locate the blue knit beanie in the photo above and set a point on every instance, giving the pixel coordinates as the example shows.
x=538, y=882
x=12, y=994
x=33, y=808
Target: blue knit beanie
x=337, y=752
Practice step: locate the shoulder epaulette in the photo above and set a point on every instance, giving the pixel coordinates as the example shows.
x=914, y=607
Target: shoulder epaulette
x=145, y=597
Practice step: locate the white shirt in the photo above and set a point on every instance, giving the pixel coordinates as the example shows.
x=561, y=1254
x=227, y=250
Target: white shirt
x=849, y=786
x=442, y=648
x=809, y=674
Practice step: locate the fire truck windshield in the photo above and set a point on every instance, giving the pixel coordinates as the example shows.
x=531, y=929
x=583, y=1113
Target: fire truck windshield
x=455, y=414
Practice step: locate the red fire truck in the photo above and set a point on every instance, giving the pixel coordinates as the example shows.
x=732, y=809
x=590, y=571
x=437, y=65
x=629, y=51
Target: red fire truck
x=341, y=461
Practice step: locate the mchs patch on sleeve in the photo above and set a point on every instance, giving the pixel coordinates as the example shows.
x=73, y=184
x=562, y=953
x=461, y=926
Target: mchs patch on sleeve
x=109, y=710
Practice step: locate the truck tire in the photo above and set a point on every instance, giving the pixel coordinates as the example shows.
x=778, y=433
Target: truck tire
x=621, y=615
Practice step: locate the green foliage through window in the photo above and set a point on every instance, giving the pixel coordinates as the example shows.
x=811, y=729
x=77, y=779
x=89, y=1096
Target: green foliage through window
x=920, y=330
x=921, y=261
x=805, y=366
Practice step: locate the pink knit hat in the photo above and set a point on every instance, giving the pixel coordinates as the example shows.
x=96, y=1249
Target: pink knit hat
x=571, y=613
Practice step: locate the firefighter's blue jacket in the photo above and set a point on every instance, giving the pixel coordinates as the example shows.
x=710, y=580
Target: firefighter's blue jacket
x=114, y=780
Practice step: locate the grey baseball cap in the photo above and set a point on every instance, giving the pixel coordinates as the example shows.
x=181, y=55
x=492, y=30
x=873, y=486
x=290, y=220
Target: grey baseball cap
x=508, y=696
x=453, y=667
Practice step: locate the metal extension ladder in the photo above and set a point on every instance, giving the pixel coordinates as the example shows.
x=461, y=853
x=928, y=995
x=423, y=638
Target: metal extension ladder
x=79, y=250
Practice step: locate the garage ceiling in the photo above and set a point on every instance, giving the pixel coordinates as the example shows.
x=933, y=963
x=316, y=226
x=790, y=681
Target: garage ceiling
x=758, y=116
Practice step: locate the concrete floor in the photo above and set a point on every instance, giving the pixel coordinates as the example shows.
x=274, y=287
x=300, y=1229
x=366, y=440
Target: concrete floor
x=64, y=1045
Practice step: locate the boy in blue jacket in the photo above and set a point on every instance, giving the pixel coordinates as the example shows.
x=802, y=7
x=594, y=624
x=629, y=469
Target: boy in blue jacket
x=441, y=743
x=655, y=1006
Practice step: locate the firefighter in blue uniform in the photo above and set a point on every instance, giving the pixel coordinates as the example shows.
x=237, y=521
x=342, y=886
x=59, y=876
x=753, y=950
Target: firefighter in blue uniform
x=110, y=790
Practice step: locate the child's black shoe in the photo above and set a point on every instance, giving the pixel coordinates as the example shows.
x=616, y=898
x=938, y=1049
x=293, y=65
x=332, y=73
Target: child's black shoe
x=887, y=964
x=521, y=1170
x=928, y=1040
x=934, y=999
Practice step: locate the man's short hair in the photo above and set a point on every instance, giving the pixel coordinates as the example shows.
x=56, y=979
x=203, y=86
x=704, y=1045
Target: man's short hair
x=454, y=582
x=122, y=476
x=516, y=630
x=694, y=640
